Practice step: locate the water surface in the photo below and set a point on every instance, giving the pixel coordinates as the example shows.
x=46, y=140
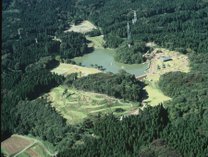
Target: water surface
x=105, y=58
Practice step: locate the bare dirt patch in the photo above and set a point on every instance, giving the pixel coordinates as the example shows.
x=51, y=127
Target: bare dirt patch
x=18, y=145
x=32, y=153
x=158, y=67
x=15, y=144
x=178, y=62
x=84, y=27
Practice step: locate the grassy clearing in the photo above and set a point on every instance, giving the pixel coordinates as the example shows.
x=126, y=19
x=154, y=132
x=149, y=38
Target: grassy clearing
x=24, y=146
x=96, y=42
x=157, y=68
x=75, y=105
x=84, y=27
x=155, y=95
x=67, y=69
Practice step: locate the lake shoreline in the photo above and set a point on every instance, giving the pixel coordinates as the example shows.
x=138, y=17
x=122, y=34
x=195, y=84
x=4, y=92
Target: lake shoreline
x=105, y=58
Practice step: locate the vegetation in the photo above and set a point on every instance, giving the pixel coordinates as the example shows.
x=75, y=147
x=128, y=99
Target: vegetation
x=29, y=49
x=157, y=68
x=94, y=33
x=171, y=24
x=73, y=44
x=131, y=55
x=26, y=146
x=155, y=95
x=67, y=69
x=188, y=109
x=32, y=85
x=126, y=137
x=76, y=105
x=122, y=85
x=96, y=42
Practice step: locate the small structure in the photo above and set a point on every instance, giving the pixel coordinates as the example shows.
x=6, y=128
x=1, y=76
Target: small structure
x=134, y=20
x=165, y=58
x=142, y=77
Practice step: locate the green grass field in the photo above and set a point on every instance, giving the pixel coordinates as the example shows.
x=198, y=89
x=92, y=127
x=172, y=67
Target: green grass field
x=155, y=95
x=96, y=42
x=67, y=69
x=76, y=105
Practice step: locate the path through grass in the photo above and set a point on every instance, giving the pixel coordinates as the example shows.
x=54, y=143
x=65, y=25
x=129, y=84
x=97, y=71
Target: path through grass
x=76, y=105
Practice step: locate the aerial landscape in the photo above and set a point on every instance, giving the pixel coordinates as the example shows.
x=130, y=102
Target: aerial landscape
x=104, y=78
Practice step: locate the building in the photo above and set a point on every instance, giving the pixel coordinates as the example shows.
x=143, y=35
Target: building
x=165, y=58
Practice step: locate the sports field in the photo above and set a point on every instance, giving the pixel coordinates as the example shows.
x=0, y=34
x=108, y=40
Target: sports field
x=67, y=69
x=76, y=105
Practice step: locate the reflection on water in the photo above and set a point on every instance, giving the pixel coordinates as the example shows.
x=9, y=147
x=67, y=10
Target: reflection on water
x=105, y=58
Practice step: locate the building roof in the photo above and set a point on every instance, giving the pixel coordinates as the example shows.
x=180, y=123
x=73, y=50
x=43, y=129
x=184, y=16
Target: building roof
x=165, y=58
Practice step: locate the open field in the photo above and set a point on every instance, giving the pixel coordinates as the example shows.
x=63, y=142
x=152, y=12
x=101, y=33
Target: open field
x=67, y=69
x=23, y=146
x=155, y=95
x=96, y=42
x=76, y=105
x=15, y=144
x=157, y=68
x=84, y=27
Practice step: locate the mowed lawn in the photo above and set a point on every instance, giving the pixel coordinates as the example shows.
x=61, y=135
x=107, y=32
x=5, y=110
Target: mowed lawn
x=67, y=69
x=76, y=105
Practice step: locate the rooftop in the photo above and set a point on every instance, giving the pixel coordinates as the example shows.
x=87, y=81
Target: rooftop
x=165, y=58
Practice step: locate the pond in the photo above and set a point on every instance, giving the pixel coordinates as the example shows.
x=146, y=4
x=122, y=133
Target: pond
x=105, y=58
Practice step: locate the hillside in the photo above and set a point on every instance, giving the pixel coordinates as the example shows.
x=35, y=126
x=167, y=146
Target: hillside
x=82, y=111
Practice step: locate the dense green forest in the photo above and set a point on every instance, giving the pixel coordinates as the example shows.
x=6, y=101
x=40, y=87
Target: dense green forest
x=176, y=25
x=73, y=44
x=132, y=54
x=121, y=85
x=172, y=24
x=176, y=128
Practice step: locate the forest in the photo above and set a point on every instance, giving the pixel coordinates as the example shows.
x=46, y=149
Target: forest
x=132, y=54
x=29, y=51
x=121, y=85
x=178, y=24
